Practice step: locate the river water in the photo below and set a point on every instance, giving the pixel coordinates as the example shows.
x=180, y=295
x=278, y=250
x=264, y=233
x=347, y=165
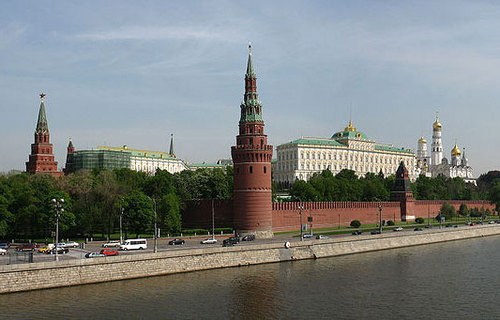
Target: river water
x=454, y=280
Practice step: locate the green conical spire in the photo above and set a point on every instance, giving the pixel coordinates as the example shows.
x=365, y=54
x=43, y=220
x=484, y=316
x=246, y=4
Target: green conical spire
x=250, y=64
x=171, y=152
x=42, y=125
x=70, y=144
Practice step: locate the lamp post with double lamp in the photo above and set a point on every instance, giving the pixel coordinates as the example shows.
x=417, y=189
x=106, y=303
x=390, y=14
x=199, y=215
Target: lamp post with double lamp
x=58, y=207
x=300, y=215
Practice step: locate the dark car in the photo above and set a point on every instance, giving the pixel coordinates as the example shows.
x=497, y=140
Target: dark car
x=27, y=247
x=227, y=244
x=248, y=237
x=418, y=229
x=232, y=240
x=176, y=242
x=357, y=232
x=376, y=232
x=4, y=245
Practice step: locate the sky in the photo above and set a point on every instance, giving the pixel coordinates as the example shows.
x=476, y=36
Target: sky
x=133, y=72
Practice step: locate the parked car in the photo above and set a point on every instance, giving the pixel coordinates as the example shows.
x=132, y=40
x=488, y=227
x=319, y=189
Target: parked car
x=109, y=252
x=227, y=244
x=27, y=247
x=176, y=241
x=418, y=229
x=60, y=250
x=71, y=244
x=248, y=237
x=321, y=237
x=94, y=255
x=376, y=232
x=398, y=229
x=3, y=251
x=491, y=222
x=357, y=232
x=4, y=245
x=209, y=241
x=307, y=235
x=111, y=244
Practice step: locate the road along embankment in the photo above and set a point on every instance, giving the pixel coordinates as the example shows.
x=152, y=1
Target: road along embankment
x=23, y=277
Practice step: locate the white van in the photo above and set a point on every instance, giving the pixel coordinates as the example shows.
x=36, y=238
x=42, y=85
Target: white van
x=134, y=244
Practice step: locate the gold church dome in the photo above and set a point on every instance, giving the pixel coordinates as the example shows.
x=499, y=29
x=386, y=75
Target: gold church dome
x=350, y=127
x=422, y=140
x=456, y=151
x=437, y=124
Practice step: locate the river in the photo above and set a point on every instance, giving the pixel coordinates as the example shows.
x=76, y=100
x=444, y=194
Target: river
x=453, y=280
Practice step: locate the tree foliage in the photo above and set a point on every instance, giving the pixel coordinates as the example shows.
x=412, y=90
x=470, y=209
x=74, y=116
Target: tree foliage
x=94, y=200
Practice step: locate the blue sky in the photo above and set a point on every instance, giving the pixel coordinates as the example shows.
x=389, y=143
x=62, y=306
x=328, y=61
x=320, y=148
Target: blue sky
x=132, y=72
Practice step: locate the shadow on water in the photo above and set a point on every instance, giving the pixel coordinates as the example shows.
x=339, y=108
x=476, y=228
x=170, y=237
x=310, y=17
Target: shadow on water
x=455, y=280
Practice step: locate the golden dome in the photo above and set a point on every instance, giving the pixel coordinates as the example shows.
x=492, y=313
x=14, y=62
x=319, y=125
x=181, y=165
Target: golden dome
x=422, y=140
x=456, y=151
x=350, y=127
x=437, y=124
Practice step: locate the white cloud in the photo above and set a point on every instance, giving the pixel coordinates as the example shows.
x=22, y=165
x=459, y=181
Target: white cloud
x=152, y=33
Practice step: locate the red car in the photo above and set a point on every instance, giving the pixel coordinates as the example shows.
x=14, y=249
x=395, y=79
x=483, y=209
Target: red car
x=109, y=252
x=27, y=247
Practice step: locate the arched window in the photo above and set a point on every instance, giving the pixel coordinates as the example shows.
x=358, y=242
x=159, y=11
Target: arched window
x=265, y=169
x=251, y=169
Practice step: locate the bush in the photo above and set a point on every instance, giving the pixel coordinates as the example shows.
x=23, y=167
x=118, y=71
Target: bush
x=390, y=223
x=419, y=220
x=355, y=224
x=193, y=231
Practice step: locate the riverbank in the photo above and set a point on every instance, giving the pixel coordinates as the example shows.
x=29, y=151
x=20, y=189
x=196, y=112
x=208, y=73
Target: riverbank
x=53, y=274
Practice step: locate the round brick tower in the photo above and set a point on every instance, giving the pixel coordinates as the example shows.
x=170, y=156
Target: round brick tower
x=252, y=165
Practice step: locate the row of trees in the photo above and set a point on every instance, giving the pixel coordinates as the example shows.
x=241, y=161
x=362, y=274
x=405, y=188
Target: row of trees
x=95, y=199
x=346, y=186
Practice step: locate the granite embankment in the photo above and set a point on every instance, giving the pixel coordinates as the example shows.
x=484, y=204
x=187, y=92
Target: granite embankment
x=23, y=277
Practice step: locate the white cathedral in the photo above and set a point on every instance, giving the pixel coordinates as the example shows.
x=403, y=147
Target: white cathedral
x=435, y=164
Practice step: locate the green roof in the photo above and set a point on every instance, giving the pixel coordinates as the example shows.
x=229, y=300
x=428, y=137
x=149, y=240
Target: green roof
x=42, y=125
x=393, y=149
x=350, y=135
x=140, y=153
x=316, y=141
x=206, y=165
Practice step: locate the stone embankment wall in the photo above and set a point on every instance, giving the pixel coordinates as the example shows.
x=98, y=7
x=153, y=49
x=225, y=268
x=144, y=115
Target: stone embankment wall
x=34, y=276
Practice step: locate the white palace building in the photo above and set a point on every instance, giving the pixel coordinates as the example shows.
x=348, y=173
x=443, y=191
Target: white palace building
x=348, y=149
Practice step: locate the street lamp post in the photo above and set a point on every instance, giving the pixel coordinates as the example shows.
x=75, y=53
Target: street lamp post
x=300, y=215
x=156, y=228
x=121, y=226
x=380, y=217
x=58, y=207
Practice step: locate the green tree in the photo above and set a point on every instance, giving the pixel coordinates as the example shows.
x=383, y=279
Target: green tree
x=463, y=210
x=169, y=215
x=138, y=212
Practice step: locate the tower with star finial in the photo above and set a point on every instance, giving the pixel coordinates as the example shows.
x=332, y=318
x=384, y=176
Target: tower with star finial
x=41, y=159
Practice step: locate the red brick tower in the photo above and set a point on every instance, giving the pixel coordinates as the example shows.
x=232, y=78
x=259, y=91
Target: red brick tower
x=252, y=165
x=402, y=193
x=41, y=159
x=70, y=151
